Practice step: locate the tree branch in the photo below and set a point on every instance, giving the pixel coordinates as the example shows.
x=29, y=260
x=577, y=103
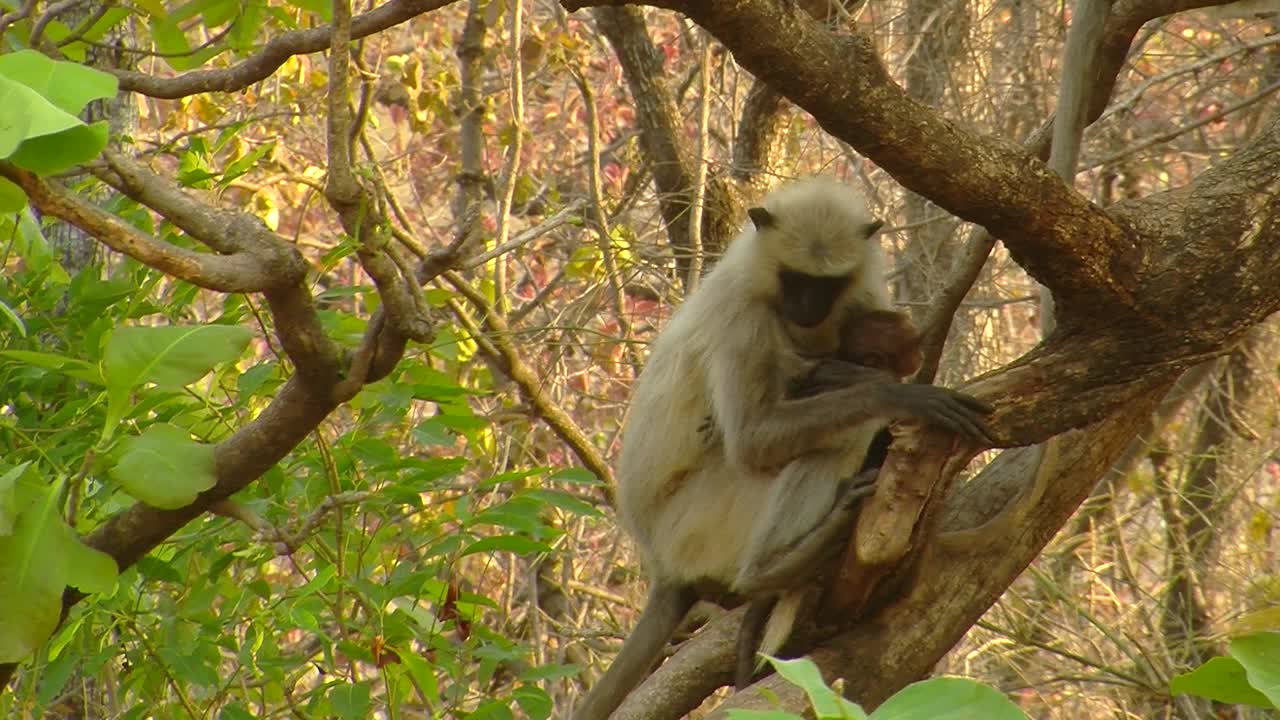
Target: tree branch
x=274, y=54
x=240, y=271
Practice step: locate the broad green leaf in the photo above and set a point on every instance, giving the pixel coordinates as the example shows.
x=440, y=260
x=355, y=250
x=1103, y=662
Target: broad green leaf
x=320, y=7
x=245, y=30
x=566, y=502
x=33, y=571
x=164, y=467
x=171, y=357
x=90, y=570
x=55, y=676
x=350, y=700
x=35, y=249
x=7, y=313
x=109, y=19
x=219, y=12
x=506, y=543
x=948, y=698
x=25, y=114
x=155, y=8
x=423, y=674
x=803, y=673
x=9, y=497
x=12, y=199
x=1222, y=679
x=171, y=42
x=235, y=711
x=78, y=369
x=69, y=86
x=534, y=701
x=157, y=570
x=49, y=154
x=245, y=163
x=520, y=513
x=491, y=710
x=1259, y=653
x=576, y=476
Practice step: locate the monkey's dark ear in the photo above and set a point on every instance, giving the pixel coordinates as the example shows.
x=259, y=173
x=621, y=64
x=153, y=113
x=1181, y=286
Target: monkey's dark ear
x=874, y=227
x=761, y=218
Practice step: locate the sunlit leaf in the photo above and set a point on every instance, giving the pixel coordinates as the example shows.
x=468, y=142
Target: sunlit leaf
x=33, y=572
x=164, y=467
x=1259, y=653
x=170, y=356
x=948, y=698
x=350, y=700
x=68, y=86
x=506, y=543
x=1221, y=679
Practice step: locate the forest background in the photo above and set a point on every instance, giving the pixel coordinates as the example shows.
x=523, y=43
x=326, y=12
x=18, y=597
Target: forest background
x=341, y=412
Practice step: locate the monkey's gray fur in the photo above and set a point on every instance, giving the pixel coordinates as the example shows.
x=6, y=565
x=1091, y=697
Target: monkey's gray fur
x=750, y=512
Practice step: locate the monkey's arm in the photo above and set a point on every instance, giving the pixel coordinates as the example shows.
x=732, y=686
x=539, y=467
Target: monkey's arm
x=830, y=374
x=764, y=430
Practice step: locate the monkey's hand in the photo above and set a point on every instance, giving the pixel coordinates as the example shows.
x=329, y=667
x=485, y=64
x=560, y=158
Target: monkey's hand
x=955, y=411
x=831, y=374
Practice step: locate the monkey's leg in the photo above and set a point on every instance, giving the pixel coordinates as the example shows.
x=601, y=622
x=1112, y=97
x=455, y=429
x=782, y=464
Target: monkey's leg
x=749, y=639
x=663, y=612
x=791, y=539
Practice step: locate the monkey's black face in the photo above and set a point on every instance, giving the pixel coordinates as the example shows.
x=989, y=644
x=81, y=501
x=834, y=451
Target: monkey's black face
x=807, y=299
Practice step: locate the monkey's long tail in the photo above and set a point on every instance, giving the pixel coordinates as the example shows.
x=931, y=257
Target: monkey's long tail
x=662, y=614
x=781, y=621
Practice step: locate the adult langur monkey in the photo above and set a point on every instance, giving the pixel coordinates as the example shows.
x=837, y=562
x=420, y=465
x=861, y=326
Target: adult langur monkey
x=750, y=509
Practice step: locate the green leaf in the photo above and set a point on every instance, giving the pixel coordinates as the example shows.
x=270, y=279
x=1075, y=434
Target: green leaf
x=245, y=163
x=157, y=570
x=8, y=314
x=245, y=30
x=1221, y=679
x=90, y=570
x=234, y=711
x=519, y=513
x=51, y=154
x=171, y=357
x=534, y=701
x=506, y=543
x=320, y=7
x=576, y=476
x=24, y=114
x=803, y=673
x=35, y=250
x=566, y=502
x=948, y=698
x=12, y=199
x=68, y=86
x=491, y=710
x=33, y=571
x=350, y=700
x=1259, y=653
x=9, y=505
x=423, y=674
x=78, y=369
x=171, y=42
x=109, y=19
x=164, y=467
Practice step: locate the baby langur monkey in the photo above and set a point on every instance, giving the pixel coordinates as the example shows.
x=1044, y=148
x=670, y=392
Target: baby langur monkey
x=751, y=509
x=878, y=339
